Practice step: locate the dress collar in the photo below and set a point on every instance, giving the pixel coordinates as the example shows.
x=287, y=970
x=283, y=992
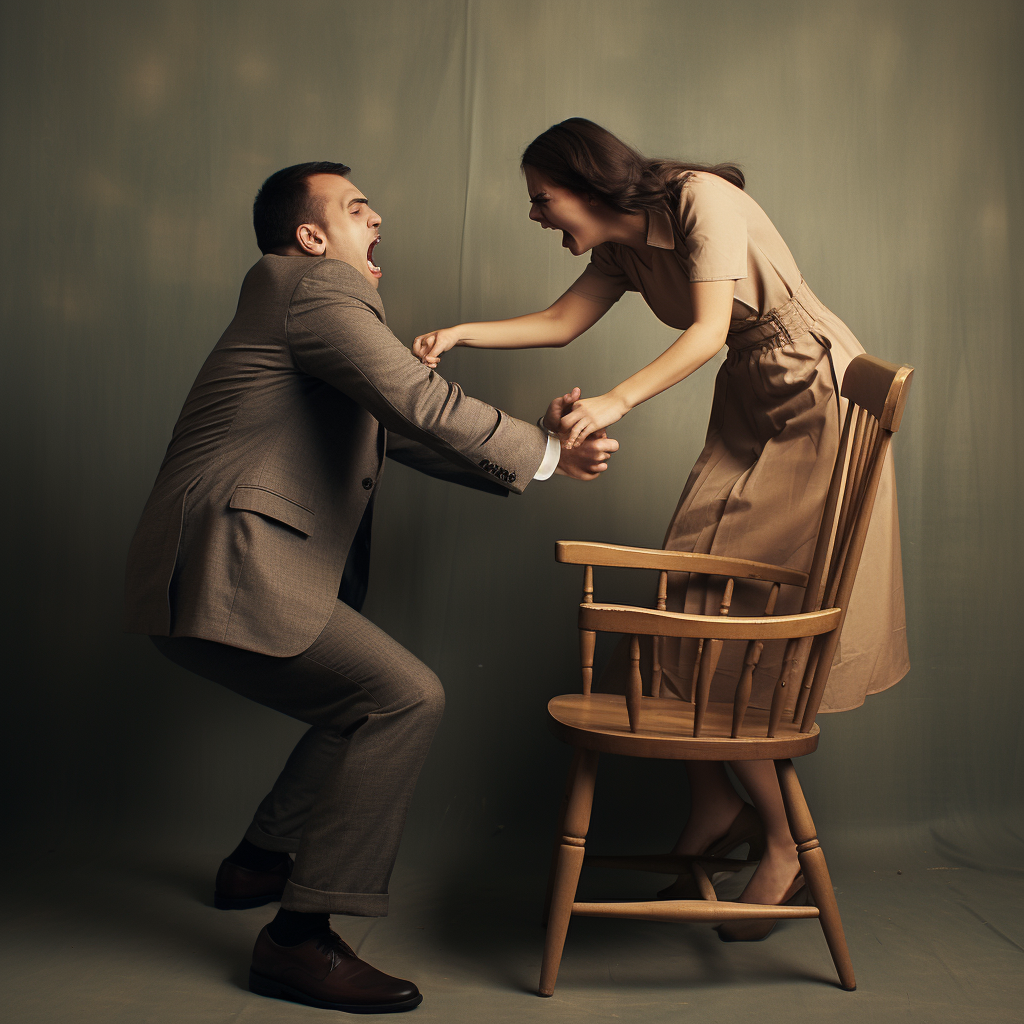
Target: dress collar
x=659, y=229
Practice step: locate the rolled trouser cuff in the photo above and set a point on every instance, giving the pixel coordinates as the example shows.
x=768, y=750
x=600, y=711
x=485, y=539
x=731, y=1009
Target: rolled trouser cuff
x=318, y=901
x=278, y=844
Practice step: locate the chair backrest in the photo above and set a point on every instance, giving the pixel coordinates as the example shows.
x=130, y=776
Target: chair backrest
x=877, y=394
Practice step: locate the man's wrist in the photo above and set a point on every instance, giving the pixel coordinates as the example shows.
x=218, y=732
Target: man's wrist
x=542, y=423
x=549, y=463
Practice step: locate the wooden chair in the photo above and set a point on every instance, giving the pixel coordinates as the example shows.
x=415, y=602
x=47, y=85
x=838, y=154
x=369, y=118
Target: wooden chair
x=652, y=726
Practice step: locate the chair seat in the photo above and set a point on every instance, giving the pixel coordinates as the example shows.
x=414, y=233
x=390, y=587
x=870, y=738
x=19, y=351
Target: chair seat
x=599, y=722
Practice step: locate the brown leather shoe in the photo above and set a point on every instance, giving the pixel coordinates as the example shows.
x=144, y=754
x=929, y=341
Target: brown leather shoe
x=325, y=972
x=239, y=888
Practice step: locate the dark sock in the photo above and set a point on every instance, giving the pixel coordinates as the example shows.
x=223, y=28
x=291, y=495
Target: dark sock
x=246, y=855
x=291, y=927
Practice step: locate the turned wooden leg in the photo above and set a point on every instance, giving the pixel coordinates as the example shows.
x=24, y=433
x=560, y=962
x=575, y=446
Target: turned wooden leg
x=812, y=862
x=568, y=863
x=560, y=828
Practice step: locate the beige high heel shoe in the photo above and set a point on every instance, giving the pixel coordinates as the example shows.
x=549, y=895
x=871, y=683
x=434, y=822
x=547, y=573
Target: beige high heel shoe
x=755, y=931
x=746, y=828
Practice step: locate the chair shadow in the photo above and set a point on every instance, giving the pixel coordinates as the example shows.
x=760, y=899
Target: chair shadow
x=499, y=930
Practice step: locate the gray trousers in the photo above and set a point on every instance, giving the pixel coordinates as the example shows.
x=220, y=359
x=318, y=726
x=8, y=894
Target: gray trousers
x=341, y=800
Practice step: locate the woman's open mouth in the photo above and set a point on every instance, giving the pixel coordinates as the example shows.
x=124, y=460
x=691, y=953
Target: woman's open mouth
x=567, y=241
x=374, y=269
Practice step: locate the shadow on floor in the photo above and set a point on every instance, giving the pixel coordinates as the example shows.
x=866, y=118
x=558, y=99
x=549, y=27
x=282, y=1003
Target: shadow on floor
x=490, y=917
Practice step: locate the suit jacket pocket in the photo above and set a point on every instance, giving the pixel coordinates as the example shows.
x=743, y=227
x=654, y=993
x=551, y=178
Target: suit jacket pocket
x=274, y=505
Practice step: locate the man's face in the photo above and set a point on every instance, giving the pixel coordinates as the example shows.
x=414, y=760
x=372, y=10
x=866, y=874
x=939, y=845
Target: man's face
x=349, y=228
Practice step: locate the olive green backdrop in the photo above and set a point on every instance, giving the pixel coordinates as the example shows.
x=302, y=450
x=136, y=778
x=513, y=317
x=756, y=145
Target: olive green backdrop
x=883, y=139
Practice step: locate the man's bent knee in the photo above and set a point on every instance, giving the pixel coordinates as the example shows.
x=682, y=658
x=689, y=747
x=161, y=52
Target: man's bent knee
x=425, y=693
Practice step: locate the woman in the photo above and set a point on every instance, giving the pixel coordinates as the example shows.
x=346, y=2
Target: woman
x=709, y=262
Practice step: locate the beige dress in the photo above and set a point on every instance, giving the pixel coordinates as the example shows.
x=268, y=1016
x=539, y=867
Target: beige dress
x=758, y=487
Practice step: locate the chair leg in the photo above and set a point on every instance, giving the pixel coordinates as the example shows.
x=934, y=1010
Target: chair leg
x=559, y=829
x=812, y=861
x=568, y=864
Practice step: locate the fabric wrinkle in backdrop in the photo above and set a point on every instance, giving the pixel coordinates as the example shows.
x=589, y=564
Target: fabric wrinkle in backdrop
x=885, y=142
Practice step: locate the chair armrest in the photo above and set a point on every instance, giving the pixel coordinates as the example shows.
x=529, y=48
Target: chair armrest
x=585, y=552
x=621, y=618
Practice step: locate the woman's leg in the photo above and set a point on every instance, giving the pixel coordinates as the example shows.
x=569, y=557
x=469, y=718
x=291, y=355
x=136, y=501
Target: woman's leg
x=779, y=864
x=714, y=804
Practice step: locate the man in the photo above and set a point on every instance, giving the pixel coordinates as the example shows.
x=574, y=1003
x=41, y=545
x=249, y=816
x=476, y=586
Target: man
x=249, y=566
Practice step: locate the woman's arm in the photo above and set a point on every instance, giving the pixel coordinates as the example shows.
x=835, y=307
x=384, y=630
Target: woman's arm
x=555, y=326
x=712, y=310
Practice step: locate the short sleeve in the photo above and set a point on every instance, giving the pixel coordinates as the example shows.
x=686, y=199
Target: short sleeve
x=604, y=280
x=715, y=232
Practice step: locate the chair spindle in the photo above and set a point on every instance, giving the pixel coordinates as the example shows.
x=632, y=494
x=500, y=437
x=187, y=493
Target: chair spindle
x=808, y=676
x=711, y=651
x=854, y=467
x=692, y=698
x=588, y=638
x=844, y=539
x=816, y=576
x=781, y=692
x=634, y=691
x=741, y=701
x=656, y=641
x=723, y=608
x=751, y=657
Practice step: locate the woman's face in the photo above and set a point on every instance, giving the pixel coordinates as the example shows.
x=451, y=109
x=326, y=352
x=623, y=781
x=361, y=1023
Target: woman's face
x=584, y=222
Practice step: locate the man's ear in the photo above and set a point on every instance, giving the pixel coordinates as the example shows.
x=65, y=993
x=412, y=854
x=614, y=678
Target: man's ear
x=311, y=239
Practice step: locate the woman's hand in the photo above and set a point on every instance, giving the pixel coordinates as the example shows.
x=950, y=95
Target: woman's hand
x=558, y=408
x=429, y=348
x=589, y=415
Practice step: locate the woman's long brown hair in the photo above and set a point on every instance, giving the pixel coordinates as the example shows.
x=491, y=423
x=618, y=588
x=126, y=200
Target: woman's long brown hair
x=589, y=160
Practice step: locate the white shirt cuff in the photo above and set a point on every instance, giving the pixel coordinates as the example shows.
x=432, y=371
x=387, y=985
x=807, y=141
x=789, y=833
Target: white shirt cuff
x=550, y=461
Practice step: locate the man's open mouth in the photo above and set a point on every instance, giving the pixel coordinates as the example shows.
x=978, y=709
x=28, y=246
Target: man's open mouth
x=374, y=269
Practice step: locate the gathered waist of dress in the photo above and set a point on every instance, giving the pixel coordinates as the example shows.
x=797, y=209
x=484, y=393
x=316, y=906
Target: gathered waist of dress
x=778, y=325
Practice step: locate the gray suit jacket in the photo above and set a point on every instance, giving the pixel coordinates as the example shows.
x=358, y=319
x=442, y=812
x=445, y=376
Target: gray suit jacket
x=278, y=452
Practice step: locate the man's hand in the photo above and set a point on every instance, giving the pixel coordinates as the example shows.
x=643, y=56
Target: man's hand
x=588, y=458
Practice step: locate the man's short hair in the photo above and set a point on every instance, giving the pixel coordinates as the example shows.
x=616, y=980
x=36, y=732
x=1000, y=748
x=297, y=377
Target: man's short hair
x=284, y=202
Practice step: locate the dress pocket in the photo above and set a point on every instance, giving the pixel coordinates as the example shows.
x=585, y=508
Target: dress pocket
x=786, y=370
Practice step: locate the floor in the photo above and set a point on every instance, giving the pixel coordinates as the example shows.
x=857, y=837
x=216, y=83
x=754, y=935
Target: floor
x=135, y=940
